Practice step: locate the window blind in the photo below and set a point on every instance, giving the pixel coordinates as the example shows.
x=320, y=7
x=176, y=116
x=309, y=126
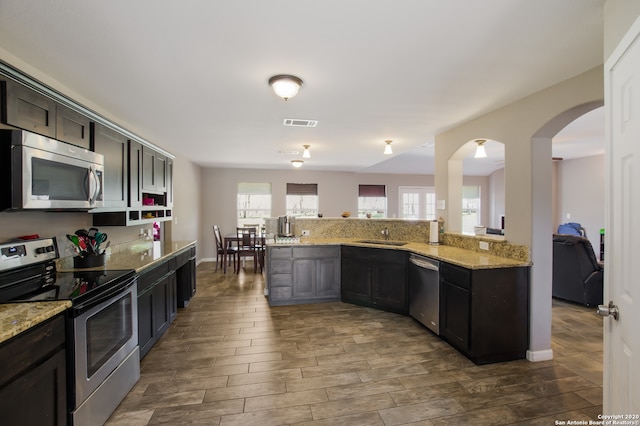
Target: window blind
x=302, y=189
x=254, y=188
x=372, y=191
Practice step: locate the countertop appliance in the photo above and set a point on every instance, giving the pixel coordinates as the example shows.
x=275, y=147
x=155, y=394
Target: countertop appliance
x=103, y=361
x=37, y=172
x=424, y=291
x=284, y=226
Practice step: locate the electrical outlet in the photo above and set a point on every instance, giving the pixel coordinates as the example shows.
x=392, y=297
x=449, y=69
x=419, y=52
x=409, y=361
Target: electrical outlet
x=306, y=232
x=484, y=245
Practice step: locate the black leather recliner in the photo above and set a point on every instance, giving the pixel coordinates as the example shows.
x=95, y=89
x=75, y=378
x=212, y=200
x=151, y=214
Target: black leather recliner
x=577, y=275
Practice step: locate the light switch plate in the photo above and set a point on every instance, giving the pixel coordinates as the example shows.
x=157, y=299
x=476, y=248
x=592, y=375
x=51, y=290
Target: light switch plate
x=484, y=245
x=306, y=232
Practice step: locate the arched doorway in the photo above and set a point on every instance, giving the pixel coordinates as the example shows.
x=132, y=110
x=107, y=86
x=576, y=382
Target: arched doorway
x=542, y=226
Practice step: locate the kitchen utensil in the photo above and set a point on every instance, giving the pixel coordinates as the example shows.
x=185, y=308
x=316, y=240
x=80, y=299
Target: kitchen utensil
x=92, y=232
x=82, y=233
x=105, y=247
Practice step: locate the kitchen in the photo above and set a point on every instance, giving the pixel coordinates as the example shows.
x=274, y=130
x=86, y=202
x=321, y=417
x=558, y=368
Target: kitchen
x=199, y=207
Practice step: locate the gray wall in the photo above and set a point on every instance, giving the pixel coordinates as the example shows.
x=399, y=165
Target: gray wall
x=580, y=190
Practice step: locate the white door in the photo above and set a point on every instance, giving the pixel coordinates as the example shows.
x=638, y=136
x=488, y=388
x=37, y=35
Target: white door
x=622, y=216
x=417, y=202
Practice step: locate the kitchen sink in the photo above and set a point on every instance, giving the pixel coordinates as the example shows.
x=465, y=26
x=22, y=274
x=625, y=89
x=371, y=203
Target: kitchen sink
x=383, y=242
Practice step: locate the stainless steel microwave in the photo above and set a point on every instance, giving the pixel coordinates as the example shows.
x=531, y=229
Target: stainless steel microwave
x=45, y=174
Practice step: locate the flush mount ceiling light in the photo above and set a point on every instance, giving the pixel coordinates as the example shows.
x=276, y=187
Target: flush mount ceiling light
x=297, y=163
x=387, y=149
x=285, y=86
x=306, y=153
x=480, y=152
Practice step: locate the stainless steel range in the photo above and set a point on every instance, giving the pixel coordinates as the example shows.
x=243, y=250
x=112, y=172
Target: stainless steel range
x=103, y=357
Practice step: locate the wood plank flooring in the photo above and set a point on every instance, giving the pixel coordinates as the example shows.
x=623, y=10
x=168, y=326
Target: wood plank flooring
x=230, y=359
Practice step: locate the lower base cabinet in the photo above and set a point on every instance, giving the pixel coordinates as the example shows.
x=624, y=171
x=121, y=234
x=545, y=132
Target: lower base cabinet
x=157, y=305
x=186, y=276
x=376, y=278
x=33, y=378
x=484, y=313
x=303, y=274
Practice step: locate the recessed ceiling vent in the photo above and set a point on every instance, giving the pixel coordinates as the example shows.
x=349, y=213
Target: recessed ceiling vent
x=296, y=122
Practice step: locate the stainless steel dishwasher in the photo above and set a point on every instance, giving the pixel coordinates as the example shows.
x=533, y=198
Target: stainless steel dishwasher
x=424, y=291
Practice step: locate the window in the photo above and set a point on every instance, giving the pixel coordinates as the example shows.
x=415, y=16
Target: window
x=302, y=199
x=254, y=203
x=470, y=208
x=372, y=199
x=417, y=202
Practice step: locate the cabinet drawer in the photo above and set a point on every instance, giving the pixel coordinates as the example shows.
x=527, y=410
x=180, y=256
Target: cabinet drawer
x=30, y=347
x=280, y=252
x=150, y=276
x=280, y=266
x=280, y=293
x=455, y=275
x=280, y=280
x=316, y=252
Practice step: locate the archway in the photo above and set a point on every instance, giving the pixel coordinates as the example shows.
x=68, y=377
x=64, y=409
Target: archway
x=542, y=226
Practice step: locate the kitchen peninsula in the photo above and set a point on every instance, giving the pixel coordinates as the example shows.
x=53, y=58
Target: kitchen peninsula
x=483, y=298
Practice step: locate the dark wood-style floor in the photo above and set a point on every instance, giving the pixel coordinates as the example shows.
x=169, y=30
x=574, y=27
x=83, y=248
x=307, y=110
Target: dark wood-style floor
x=230, y=359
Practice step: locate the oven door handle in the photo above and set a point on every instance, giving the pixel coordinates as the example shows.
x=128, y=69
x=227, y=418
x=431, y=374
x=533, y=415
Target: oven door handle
x=113, y=291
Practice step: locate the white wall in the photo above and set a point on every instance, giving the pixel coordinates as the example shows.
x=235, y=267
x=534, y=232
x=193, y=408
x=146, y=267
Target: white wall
x=496, y=202
x=580, y=190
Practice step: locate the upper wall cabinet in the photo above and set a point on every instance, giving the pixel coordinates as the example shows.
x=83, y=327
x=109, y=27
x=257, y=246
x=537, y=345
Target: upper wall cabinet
x=27, y=109
x=114, y=146
x=154, y=171
x=73, y=127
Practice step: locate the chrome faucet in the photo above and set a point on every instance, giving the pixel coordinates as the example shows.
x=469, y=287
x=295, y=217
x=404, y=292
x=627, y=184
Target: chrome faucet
x=385, y=232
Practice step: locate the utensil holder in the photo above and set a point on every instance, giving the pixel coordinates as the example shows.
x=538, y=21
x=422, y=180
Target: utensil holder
x=89, y=261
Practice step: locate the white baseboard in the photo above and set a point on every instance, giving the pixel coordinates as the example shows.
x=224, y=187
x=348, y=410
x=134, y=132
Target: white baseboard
x=537, y=356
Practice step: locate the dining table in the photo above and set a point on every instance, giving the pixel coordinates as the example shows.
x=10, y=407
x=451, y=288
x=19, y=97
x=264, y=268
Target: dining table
x=233, y=239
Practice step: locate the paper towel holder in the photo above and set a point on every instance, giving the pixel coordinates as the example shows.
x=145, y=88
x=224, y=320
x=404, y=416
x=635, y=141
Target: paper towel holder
x=434, y=233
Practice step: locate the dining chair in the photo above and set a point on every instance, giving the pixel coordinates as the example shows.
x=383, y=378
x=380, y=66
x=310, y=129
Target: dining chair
x=248, y=247
x=222, y=253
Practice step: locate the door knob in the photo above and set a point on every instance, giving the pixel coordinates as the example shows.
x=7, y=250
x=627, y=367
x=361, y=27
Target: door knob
x=605, y=311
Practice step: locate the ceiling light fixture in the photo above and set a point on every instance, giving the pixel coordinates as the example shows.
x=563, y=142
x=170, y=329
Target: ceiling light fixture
x=297, y=163
x=285, y=86
x=480, y=152
x=387, y=149
x=306, y=153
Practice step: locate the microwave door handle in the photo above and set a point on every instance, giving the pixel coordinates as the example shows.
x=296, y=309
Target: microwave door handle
x=94, y=186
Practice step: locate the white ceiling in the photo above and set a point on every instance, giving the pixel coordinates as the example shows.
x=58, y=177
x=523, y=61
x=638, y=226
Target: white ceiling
x=191, y=76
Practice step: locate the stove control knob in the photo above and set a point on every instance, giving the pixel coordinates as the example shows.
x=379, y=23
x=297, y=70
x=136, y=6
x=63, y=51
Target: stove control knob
x=41, y=250
x=50, y=249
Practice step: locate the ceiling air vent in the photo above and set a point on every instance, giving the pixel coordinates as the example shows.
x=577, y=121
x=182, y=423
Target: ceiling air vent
x=296, y=122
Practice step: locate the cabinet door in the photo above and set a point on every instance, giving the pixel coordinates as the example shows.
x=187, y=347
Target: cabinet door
x=146, y=328
x=161, y=307
x=389, y=286
x=114, y=147
x=160, y=172
x=304, y=278
x=356, y=279
x=28, y=109
x=169, y=179
x=45, y=386
x=172, y=299
x=455, y=307
x=73, y=127
x=328, y=277
x=147, y=174
x=135, y=174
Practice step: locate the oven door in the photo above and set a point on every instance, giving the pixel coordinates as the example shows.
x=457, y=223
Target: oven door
x=105, y=334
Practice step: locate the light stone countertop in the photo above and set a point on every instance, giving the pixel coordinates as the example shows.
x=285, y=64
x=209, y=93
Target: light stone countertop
x=458, y=256
x=16, y=318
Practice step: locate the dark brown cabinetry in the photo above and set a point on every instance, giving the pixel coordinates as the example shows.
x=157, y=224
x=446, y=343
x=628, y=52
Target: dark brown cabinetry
x=114, y=146
x=186, y=276
x=33, y=383
x=28, y=109
x=375, y=277
x=157, y=304
x=484, y=313
x=154, y=171
x=73, y=127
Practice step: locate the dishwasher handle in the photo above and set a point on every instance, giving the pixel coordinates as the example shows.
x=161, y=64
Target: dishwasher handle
x=425, y=263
